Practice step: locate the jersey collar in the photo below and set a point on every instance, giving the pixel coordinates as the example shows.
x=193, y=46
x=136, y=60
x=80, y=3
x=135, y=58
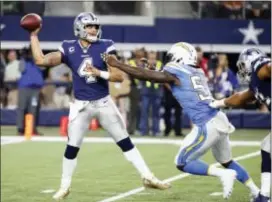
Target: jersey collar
x=84, y=49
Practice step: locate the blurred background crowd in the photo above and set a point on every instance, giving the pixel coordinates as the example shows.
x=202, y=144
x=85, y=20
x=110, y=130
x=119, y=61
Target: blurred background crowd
x=141, y=103
x=184, y=9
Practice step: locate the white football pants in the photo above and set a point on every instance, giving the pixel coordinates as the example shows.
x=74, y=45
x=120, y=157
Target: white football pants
x=81, y=113
x=213, y=135
x=266, y=143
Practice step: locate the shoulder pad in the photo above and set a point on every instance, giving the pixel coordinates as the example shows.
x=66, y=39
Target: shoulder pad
x=69, y=41
x=172, y=65
x=260, y=62
x=107, y=42
x=66, y=44
x=177, y=67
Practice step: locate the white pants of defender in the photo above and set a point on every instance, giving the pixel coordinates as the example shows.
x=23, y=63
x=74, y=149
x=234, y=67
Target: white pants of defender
x=213, y=135
x=81, y=113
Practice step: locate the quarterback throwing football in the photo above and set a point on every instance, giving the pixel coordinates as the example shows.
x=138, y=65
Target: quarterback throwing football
x=91, y=97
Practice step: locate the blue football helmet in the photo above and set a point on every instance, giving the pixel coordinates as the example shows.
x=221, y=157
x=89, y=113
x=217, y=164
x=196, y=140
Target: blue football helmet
x=81, y=21
x=245, y=61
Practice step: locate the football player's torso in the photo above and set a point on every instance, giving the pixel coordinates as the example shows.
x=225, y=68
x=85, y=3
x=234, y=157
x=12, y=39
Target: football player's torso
x=261, y=89
x=193, y=94
x=87, y=87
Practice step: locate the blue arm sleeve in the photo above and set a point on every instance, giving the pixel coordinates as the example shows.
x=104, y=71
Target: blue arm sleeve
x=260, y=62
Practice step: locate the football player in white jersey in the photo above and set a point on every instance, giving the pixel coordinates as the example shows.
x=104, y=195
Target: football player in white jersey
x=92, y=97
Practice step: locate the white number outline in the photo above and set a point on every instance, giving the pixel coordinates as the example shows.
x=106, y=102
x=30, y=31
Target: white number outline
x=203, y=94
x=82, y=73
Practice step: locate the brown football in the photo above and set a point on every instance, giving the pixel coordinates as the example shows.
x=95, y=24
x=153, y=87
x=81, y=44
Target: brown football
x=31, y=21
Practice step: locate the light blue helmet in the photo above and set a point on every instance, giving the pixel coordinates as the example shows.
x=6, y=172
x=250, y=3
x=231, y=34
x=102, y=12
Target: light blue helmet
x=245, y=61
x=81, y=21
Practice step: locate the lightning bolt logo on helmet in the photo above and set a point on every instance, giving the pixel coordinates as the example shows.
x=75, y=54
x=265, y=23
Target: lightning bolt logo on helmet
x=182, y=53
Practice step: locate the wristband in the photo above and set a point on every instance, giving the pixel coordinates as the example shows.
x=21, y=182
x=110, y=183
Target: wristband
x=32, y=34
x=105, y=75
x=221, y=103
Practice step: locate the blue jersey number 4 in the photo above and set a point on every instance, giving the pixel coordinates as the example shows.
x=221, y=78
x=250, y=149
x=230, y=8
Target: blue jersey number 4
x=82, y=71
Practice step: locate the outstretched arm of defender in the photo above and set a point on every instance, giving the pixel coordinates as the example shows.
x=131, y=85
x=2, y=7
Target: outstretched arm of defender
x=236, y=100
x=140, y=73
x=49, y=60
x=115, y=74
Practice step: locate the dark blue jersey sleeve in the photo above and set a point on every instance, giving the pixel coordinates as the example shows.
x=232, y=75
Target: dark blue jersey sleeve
x=110, y=47
x=62, y=49
x=259, y=63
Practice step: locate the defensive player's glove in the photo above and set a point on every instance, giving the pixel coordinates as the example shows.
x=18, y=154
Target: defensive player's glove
x=217, y=103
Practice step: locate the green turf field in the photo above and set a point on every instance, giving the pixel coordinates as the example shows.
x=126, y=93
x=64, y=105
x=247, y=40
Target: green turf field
x=28, y=168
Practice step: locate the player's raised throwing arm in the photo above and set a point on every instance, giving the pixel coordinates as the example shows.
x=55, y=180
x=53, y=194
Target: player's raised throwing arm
x=49, y=60
x=236, y=100
x=140, y=73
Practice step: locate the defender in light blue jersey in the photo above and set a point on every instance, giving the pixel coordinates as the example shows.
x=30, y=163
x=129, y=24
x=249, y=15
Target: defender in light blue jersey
x=211, y=127
x=193, y=94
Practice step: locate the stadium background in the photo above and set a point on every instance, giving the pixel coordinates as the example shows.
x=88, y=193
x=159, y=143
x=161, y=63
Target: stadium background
x=218, y=28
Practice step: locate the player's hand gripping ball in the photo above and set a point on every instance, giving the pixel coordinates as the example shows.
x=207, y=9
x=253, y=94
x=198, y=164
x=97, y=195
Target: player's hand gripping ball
x=31, y=22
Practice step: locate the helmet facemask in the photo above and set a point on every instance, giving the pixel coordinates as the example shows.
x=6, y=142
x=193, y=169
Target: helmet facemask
x=244, y=72
x=246, y=58
x=92, y=38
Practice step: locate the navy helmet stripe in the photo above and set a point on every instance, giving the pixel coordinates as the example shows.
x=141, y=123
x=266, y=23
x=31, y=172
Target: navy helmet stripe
x=93, y=16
